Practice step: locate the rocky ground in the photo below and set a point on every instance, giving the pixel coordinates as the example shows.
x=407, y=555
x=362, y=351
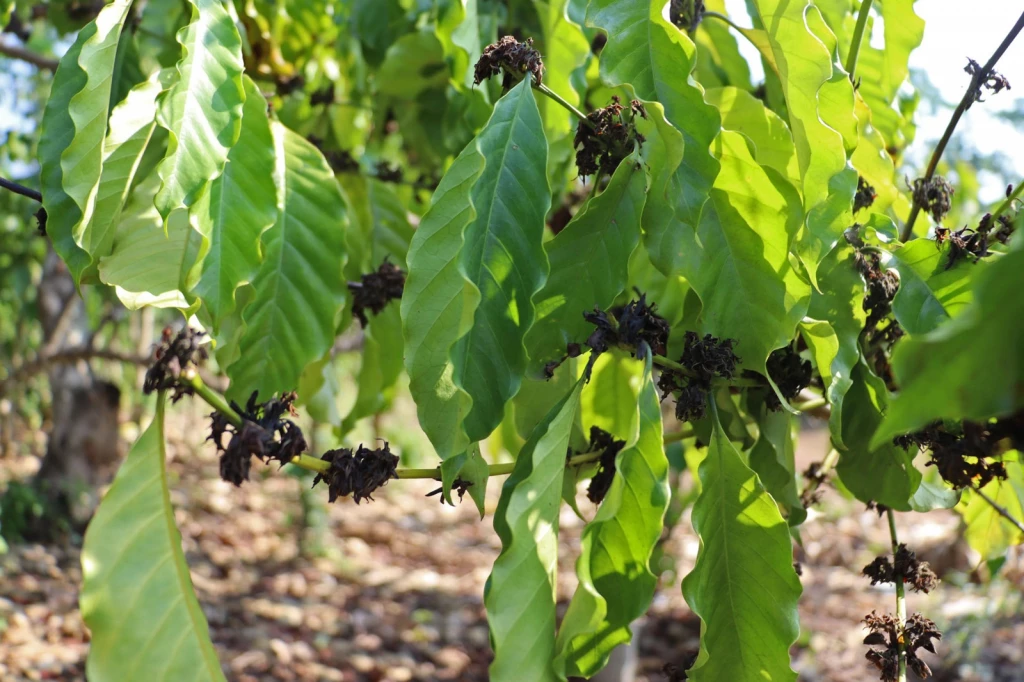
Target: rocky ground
x=391, y=590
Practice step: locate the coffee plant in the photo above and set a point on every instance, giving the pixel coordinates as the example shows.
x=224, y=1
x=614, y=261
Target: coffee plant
x=578, y=228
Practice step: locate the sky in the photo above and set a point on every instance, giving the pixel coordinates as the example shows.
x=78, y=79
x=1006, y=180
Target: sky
x=951, y=35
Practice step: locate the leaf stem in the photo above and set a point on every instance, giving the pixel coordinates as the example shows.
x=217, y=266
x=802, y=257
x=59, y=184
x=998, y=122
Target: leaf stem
x=858, y=38
x=723, y=18
x=901, y=603
x=21, y=189
x=555, y=97
x=214, y=399
x=969, y=98
x=1001, y=510
x=1005, y=206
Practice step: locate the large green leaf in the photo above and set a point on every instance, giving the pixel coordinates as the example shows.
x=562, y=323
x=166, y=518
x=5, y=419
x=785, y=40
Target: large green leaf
x=819, y=109
x=589, y=260
x=616, y=582
x=743, y=585
x=438, y=306
x=655, y=58
x=929, y=293
x=146, y=260
x=881, y=472
x=503, y=257
x=137, y=597
x=132, y=123
x=738, y=260
x=520, y=592
x=299, y=288
x=239, y=205
x=609, y=402
x=202, y=112
x=381, y=365
x=977, y=358
x=988, y=532
x=82, y=160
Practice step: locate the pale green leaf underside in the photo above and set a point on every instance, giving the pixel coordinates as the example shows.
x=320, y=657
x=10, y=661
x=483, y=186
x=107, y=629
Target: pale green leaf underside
x=503, y=257
x=299, y=289
x=236, y=209
x=988, y=533
x=520, y=593
x=743, y=585
x=929, y=293
x=137, y=597
x=202, y=111
x=616, y=582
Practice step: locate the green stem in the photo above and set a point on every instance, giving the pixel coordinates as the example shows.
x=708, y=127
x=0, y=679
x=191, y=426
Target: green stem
x=739, y=29
x=901, y=603
x=1005, y=206
x=858, y=38
x=597, y=184
x=214, y=399
x=555, y=97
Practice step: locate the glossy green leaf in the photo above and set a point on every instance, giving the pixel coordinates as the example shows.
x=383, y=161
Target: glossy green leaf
x=977, y=357
x=743, y=586
x=610, y=399
x=520, y=592
x=381, y=365
x=202, y=112
x=616, y=583
x=720, y=62
x=588, y=261
x=503, y=257
x=137, y=598
x=773, y=460
x=239, y=205
x=989, y=533
x=299, y=288
x=929, y=293
x=438, y=306
x=879, y=472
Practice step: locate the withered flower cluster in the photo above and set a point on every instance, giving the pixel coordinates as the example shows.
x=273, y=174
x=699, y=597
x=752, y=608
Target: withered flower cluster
x=174, y=354
x=964, y=453
x=358, y=473
x=994, y=82
x=706, y=358
x=816, y=478
x=865, y=195
x=376, y=289
x=513, y=57
x=933, y=196
x=607, y=137
x=905, y=567
x=918, y=633
x=264, y=434
x=686, y=14
x=610, y=448
x=630, y=326
x=790, y=372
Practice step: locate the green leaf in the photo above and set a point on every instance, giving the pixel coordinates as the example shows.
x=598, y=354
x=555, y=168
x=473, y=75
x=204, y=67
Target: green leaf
x=381, y=365
x=238, y=207
x=977, y=357
x=738, y=261
x=773, y=459
x=589, y=260
x=881, y=472
x=743, y=586
x=720, y=62
x=380, y=225
x=537, y=396
x=988, y=532
x=520, y=592
x=299, y=288
x=145, y=261
x=137, y=598
x=929, y=293
x=838, y=317
x=202, y=112
x=655, y=58
x=616, y=582
x=503, y=257
x=414, y=64
x=458, y=29
x=933, y=495
x=132, y=123
x=610, y=400
x=817, y=113
x=82, y=160
x=438, y=306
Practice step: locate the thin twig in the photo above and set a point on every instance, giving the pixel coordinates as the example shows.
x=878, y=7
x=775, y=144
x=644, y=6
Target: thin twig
x=67, y=356
x=901, y=603
x=20, y=53
x=858, y=38
x=1005, y=206
x=21, y=189
x=1001, y=510
x=979, y=77
x=555, y=97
